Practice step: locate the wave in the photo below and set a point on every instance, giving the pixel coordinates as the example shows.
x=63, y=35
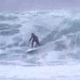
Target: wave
x=58, y=33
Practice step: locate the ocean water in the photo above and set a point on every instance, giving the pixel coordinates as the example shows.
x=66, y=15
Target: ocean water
x=59, y=35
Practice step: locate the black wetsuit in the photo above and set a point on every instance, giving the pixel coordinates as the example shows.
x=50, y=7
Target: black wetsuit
x=34, y=38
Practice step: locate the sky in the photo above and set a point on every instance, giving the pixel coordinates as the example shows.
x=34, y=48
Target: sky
x=26, y=5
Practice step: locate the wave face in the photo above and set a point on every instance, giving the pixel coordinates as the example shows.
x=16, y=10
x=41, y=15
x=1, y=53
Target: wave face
x=58, y=32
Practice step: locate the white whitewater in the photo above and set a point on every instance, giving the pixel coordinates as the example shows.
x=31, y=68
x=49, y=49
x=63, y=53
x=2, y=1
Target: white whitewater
x=59, y=34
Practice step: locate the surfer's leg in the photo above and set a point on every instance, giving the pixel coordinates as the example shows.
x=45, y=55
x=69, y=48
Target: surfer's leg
x=37, y=43
x=32, y=43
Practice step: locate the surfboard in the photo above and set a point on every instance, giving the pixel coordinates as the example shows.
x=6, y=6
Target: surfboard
x=32, y=50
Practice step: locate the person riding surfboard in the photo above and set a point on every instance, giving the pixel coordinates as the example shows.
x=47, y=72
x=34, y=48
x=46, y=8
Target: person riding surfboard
x=34, y=38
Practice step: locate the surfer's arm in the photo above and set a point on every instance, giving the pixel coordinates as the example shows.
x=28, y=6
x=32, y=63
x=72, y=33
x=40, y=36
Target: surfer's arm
x=30, y=39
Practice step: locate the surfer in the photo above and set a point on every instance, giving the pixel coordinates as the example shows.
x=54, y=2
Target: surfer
x=34, y=38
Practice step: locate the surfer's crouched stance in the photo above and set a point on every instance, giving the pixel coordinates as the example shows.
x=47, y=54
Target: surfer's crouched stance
x=34, y=38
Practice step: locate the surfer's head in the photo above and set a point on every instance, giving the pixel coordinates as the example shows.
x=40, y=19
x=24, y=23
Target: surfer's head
x=32, y=34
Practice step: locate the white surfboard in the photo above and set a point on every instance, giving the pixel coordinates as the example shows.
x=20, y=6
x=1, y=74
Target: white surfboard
x=32, y=50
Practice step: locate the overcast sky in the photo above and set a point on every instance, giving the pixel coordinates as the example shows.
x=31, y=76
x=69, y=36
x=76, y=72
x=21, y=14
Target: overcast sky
x=25, y=5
